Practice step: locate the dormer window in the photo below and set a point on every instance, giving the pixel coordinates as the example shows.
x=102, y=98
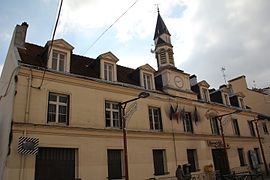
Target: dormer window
x=241, y=103
x=147, y=81
x=60, y=55
x=205, y=95
x=58, y=61
x=108, y=71
x=226, y=100
x=147, y=77
x=108, y=67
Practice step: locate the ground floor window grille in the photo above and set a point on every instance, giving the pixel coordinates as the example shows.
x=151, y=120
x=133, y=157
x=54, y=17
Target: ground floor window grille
x=115, y=164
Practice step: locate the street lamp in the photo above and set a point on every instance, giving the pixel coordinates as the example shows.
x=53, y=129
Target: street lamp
x=261, y=117
x=219, y=118
x=122, y=106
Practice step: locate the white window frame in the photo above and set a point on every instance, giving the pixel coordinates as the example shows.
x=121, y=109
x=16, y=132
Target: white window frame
x=112, y=110
x=205, y=95
x=226, y=99
x=147, y=81
x=236, y=128
x=108, y=71
x=214, y=126
x=187, y=122
x=155, y=119
x=58, y=59
x=57, y=105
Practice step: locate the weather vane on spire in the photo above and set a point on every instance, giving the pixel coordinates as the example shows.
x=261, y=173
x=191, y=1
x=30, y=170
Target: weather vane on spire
x=157, y=7
x=223, y=74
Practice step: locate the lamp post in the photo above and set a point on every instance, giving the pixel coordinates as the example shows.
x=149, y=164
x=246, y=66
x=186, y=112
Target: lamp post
x=219, y=118
x=260, y=142
x=122, y=106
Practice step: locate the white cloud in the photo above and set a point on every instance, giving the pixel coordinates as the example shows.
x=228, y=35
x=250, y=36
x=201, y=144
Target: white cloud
x=206, y=35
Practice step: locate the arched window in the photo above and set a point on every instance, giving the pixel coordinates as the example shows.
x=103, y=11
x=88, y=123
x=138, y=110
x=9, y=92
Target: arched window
x=162, y=56
x=170, y=54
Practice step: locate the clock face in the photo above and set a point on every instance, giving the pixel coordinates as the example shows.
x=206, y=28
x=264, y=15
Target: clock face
x=178, y=81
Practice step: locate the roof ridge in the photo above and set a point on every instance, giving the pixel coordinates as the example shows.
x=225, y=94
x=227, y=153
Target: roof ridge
x=85, y=57
x=34, y=44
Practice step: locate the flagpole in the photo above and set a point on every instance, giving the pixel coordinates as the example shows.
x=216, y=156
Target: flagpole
x=174, y=144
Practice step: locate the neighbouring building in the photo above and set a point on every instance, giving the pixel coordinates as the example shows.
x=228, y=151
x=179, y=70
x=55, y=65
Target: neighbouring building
x=60, y=116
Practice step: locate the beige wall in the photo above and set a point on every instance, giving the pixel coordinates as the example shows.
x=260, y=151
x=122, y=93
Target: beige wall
x=259, y=103
x=7, y=91
x=87, y=131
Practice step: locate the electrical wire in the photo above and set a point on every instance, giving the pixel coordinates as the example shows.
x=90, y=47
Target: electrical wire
x=9, y=82
x=50, y=47
x=109, y=27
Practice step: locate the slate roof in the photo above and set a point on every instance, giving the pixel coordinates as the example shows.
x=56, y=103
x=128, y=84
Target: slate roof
x=160, y=27
x=36, y=55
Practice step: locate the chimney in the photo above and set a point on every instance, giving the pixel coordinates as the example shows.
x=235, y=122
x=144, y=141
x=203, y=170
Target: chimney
x=20, y=34
x=193, y=80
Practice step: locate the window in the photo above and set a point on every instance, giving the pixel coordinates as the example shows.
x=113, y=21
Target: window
x=192, y=159
x=56, y=163
x=205, y=94
x=155, y=118
x=241, y=103
x=147, y=81
x=160, y=162
x=162, y=56
x=251, y=128
x=236, y=127
x=226, y=98
x=187, y=122
x=170, y=54
x=58, y=108
x=115, y=164
x=257, y=151
x=214, y=126
x=265, y=130
x=241, y=156
x=112, y=114
x=58, y=61
x=108, y=72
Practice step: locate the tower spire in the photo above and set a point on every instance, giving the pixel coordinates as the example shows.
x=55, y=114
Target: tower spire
x=163, y=46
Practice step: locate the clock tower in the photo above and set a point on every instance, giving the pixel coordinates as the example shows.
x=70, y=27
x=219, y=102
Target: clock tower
x=169, y=78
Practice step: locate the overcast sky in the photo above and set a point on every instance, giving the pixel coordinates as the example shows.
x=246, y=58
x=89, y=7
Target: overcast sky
x=206, y=34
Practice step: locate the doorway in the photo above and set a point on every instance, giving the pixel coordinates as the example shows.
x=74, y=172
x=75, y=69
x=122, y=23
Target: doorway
x=220, y=161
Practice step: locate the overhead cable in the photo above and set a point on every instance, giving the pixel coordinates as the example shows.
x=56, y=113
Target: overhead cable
x=109, y=28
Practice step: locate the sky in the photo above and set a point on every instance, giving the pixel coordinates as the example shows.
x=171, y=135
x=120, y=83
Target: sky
x=206, y=34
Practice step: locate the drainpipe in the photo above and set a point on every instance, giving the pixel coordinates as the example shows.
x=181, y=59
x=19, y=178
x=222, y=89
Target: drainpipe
x=28, y=93
x=26, y=120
